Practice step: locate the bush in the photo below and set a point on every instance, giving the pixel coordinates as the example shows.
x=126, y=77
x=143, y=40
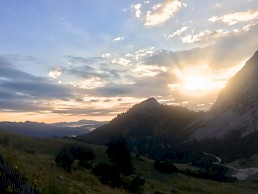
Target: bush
x=69, y=153
x=107, y=174
x=120, y=156
x=165, y=167
x=136, y=183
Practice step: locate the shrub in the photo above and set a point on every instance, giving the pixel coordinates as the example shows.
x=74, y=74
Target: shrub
x=107, y=174
x=165, y=167
x=136, y=183
x=69, y=153
x=120, y=156
x=64, y=158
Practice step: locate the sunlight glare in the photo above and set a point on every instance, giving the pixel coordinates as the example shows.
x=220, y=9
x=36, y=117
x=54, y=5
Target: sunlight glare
x=197, y=81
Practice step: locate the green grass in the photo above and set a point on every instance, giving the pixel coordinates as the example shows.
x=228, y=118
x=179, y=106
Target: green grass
x=35, y=158
x=155, y=181
x=251, y=162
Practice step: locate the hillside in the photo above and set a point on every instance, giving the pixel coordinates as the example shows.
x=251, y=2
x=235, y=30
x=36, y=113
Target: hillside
x=148, y=119
x=148, y=127
x=35, y=158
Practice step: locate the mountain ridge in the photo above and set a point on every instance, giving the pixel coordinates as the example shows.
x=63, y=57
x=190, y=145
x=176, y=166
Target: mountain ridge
x=148, y=119
x=41, y=129
x=236, y=107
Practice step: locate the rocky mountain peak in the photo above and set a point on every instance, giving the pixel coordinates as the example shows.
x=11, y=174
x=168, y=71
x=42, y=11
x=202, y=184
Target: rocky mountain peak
x=236, y=107
x=241, y=92
x=150, y=102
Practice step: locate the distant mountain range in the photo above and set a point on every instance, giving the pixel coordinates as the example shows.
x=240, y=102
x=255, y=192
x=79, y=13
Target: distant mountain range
x=229, y=129
x=48, y=130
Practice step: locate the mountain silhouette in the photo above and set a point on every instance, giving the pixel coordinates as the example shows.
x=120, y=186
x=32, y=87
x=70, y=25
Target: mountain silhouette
x=148, y=119
x=36, y=129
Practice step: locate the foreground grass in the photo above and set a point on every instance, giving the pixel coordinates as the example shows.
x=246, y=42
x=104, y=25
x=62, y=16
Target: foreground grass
x=35, y=158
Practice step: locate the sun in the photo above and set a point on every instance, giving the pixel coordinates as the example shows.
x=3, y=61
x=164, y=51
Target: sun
x=197, y=81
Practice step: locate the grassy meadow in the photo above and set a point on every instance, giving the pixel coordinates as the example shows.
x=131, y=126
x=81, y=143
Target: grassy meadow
x=35, y=158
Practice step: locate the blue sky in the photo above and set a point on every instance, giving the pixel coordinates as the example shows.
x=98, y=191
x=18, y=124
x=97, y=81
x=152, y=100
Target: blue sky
x=69, y=60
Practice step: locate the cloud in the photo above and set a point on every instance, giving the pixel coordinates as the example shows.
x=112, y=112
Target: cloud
x=19, y=90
x=178, y=32
x=162, y=12
x=118, y=39
x=83, y=60
x=91, y=83
x=205, y=36
x=106, y=55
x=137, y=9
x=102, y=68
x=141, y=88
x=234, y=18
x=130, y=78
x=55, y=73
x=148, y=70
x=121, y=61
x=210, y=37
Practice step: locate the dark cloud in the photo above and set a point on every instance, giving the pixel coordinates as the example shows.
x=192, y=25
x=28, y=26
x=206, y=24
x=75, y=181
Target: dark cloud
x=19, y=58
x=84, y=60
x=144, y=87
x=20, y=106
x=19, y=89
x=87, y=67
x=89, y=111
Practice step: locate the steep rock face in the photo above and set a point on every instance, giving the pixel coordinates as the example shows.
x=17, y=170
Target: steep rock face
x=236, y=107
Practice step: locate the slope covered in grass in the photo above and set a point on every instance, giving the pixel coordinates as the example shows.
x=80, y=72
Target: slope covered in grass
x=36, y=159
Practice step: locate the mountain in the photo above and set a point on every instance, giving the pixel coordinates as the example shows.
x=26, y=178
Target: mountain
x=236, y=109
x=48, y=130
x=146, y=121
x=90, y=124
x=228, y=130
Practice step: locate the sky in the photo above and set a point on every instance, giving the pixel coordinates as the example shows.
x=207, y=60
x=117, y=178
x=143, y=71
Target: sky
x=63, y=60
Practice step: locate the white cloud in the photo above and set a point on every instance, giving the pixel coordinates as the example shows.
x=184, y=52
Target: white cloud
x=137, y=9
x=247, y=27
x=138, y=55
x=118, y=39
x=210, y=37
x=121, y=61
x=148, y=70
x=205, y=36
x=106, y=55
x=217, y=5
x=178, y=32
x=162, y=12
x=91, y=83
x=55, y=73
x=234, y=18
